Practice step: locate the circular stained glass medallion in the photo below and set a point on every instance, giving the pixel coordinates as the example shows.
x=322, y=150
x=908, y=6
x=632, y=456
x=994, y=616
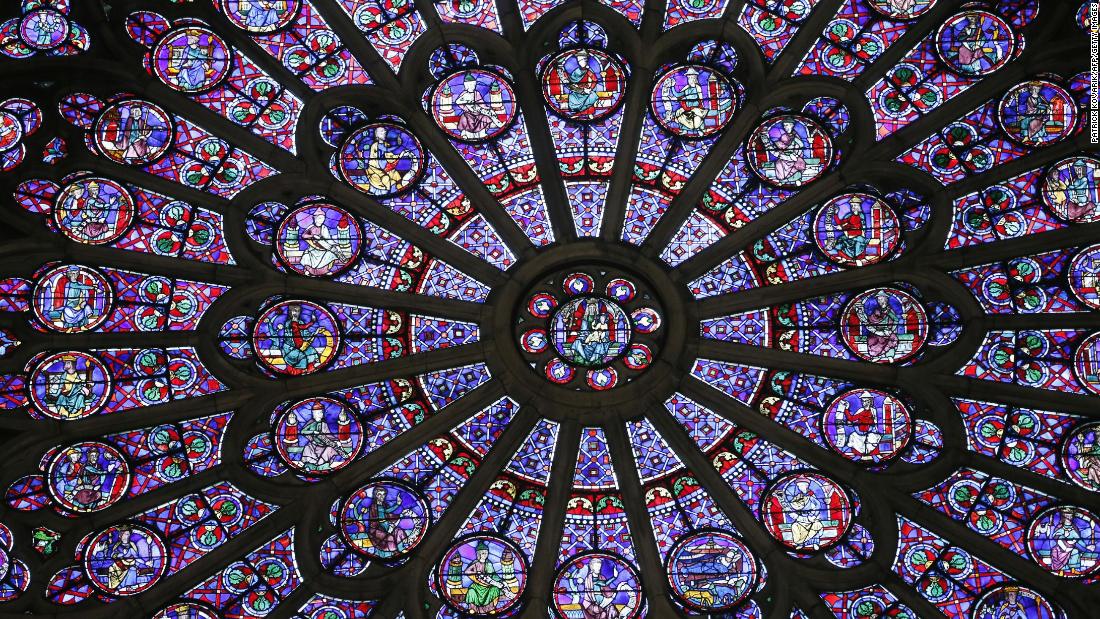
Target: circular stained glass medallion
x=1038, y=112
x=884, y=325
x=473, y=105
x=975, y=42
x=711, y=571
x=133, y=132
x=789, y=151
x=857, y=229
x=584, y=84
x=384, y=519
x=69, y=385
x=806, y=511
x=191, y=59
x=597, y=582
x=1004, y=600
x=88, y=476
x=260, y=16
x=483, y=575
x=590, y=331
x=1070, y=189
x=318, y=436
x=693, y=101
x=318, y=240
x=296, y=337
x=381, y=159
x=125, y=559
x=72, y=299
x=94, y=210
x=867, y=425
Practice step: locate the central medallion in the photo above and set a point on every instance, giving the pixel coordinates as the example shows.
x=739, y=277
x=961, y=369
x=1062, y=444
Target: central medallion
x=590, y=329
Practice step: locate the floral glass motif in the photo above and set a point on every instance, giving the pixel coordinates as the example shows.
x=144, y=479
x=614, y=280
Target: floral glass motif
x=342, y=309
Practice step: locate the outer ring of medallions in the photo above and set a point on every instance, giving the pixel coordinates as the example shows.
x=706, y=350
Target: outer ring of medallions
x=502, y=352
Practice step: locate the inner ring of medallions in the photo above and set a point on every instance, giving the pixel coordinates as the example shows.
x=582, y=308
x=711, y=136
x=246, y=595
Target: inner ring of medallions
x=654, y=288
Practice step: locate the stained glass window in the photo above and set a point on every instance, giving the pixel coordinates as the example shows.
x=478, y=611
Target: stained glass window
x=582, y=309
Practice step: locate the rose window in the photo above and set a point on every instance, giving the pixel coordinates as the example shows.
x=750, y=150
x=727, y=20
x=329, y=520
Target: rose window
x=598, y=309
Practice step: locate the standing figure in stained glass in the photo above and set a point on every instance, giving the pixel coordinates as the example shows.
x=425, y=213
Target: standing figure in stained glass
x=11, y=131
x=803, y=507
x=48, y=29
x=69, y=390
x=129, y=133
